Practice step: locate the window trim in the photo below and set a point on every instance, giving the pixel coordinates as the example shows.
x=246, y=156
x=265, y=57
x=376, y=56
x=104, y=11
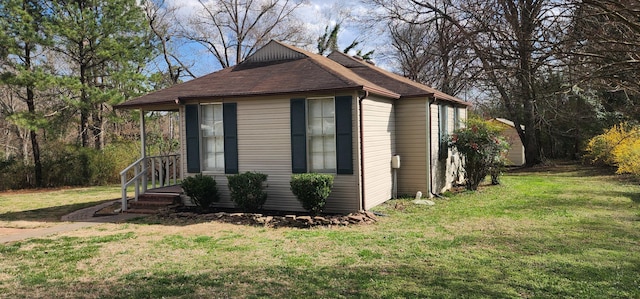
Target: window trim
x=203, y=168
x=310, y=169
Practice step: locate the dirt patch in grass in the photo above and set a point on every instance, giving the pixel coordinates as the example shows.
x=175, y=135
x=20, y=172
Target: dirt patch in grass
x=6, y=231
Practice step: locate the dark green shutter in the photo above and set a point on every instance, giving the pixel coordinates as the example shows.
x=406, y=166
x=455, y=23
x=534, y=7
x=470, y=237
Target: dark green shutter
x=344, y=140
x=193, y=138
x=230, y=121
x=298, y=136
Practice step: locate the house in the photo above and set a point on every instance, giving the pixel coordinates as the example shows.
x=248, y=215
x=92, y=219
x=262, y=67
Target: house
x=515, y=156
x=285, y=110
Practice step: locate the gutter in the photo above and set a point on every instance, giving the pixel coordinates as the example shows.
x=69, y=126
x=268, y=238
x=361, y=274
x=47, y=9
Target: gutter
x=361, y=123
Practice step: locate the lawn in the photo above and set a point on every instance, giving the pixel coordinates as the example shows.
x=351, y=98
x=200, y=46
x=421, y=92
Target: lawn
x=33, y=208
x=565, y=231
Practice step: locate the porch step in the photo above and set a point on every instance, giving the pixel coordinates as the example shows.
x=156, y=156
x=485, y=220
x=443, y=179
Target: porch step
x=152, y=203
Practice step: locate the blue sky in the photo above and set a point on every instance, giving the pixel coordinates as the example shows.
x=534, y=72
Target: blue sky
x=316, y=15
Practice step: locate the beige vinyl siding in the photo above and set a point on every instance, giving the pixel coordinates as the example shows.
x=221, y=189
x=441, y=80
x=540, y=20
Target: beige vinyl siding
x=379, y=146
x=515, y=156
x=411, y=145
x=264, y=145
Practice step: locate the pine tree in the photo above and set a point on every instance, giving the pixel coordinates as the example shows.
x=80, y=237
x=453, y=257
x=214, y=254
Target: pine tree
x=23, y=26
x=106, y=44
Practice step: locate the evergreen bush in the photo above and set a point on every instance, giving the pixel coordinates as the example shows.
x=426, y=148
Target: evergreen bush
x=201, y=189
x=312, y=190
x=247, y=190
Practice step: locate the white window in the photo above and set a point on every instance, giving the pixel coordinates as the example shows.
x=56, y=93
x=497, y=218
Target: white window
x=321, y=134
x=456, y=118
x=212, y=134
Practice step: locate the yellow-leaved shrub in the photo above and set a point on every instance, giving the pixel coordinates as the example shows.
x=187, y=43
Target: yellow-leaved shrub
x=619, y=146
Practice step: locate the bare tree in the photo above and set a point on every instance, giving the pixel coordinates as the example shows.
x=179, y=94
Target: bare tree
x=231, y=30
x=163, y=24
x=513, y=41
x=434, y=53
x=605, y=53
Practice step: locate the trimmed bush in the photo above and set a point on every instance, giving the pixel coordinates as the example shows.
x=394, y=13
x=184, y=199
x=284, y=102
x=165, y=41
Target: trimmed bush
x=202, y=189
x=247, y=190
x=312, y=190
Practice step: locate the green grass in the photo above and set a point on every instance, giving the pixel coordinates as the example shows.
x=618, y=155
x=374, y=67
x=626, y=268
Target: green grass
x=555, y=232
x=49, y=205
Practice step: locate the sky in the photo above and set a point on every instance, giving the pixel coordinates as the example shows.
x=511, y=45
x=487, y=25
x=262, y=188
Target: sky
x=316, y=15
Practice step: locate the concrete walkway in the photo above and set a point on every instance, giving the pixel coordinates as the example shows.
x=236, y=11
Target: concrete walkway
x=79, y=219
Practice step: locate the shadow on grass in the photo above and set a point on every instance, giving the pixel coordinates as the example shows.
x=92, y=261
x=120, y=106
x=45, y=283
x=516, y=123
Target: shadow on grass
x=574, y=169
x=50, y=214
x=397, y=281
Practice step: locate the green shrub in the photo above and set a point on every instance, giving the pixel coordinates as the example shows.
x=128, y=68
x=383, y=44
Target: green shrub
x=312, y=190
x=105, y=165
x=14, y=174
x=483, y=148
x=202, y=189
x=66, y=165
x=247, y=190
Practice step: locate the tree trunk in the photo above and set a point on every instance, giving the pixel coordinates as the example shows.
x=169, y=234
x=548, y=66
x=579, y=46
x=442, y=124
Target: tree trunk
x=35, y=147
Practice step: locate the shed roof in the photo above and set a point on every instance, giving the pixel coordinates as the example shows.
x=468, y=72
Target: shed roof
x=278, y=68
x=508, y=122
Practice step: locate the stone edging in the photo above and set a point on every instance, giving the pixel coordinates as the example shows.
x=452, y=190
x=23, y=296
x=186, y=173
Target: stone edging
x=277, y=221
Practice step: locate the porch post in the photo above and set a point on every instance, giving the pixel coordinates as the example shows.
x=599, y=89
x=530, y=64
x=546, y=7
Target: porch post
x=143, y=150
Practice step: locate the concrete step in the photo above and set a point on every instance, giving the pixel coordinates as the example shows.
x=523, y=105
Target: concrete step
x=160, y=197
x=150, y=204
x=142, y=211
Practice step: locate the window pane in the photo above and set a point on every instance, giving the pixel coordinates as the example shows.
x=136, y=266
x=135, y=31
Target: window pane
x=328, y=126
x=317, y=162
x=315, y=145
x=315, y=126
x=220, y=160
x=217, y=112
x=218, y=128
x=315, y=108
x=321, y=129
x=330, y=160
x=329, y=144
x=212, y=137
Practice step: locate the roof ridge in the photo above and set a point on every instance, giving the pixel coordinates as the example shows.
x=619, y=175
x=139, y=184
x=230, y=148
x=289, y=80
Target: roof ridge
x=428, y=89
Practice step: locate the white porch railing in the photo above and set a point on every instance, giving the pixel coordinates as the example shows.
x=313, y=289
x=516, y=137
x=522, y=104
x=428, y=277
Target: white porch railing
x=163, y=171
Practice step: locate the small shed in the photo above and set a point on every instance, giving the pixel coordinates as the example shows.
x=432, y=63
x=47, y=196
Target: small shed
x=515, y=156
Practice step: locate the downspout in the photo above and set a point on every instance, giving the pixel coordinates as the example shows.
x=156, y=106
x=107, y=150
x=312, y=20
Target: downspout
x=361, y=124
x=429, y=154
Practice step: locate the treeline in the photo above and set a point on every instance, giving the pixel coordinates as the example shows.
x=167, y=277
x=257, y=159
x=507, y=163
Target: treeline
x=565, y=70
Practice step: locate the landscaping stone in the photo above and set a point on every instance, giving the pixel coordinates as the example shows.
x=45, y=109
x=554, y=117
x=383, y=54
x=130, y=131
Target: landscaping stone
x=262, y=219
